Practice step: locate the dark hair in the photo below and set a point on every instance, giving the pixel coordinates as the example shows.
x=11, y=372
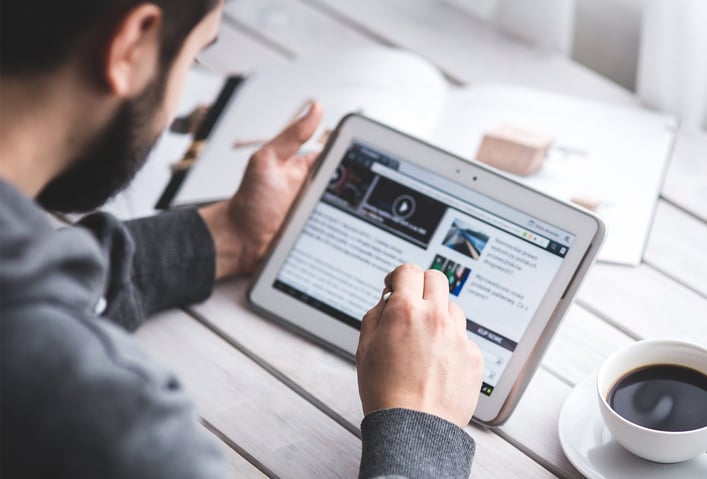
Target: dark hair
x=37, y=36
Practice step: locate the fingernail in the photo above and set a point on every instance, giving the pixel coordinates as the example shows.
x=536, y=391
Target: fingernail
x=308, y=107
x=304, y=110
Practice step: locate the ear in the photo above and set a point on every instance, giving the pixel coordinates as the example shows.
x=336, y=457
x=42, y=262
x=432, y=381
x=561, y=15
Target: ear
x=132, y=52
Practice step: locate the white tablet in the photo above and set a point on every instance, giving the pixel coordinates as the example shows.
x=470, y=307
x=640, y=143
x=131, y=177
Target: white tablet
x=378, y=198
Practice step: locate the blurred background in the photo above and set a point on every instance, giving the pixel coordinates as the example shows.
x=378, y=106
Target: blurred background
x=657, y=48
x=624, y=53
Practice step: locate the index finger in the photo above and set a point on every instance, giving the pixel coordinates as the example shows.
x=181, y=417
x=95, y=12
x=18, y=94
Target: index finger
x=436, y=285
x=406, y=278
x=291, y=139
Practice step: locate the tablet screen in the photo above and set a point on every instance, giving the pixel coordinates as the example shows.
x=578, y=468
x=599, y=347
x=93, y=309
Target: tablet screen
x=380, y=211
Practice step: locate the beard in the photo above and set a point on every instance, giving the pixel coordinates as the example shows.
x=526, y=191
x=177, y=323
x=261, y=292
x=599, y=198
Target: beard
x=112, y=158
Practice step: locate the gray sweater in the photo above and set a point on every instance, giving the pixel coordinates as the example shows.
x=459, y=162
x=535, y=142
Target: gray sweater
x=79, y=398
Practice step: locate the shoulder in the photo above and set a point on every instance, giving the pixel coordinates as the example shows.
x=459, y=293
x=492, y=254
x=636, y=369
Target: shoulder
x=81, y=399
x=41, y=264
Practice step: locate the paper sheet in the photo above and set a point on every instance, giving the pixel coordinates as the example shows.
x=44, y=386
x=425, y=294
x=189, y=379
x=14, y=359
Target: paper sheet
x=615, y=155
x=391, y=86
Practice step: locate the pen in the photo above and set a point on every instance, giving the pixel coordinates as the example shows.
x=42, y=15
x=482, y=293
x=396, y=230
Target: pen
x=182, y=167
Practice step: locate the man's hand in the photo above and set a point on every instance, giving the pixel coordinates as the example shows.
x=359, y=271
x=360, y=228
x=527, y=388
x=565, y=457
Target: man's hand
x=244, y=226
x=413, y=351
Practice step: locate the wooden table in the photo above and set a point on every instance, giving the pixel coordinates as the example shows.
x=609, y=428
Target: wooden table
x=285, y=407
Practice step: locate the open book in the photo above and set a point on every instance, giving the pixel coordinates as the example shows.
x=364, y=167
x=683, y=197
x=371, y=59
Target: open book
x=616, y=156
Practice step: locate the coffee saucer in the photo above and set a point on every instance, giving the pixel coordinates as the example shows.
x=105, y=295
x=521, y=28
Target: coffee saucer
x=590, y=447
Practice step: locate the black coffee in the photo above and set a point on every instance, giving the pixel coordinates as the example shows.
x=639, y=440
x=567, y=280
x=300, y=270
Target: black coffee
x=663, y=397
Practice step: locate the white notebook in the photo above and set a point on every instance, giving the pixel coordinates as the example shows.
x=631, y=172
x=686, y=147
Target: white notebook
x=616, y=155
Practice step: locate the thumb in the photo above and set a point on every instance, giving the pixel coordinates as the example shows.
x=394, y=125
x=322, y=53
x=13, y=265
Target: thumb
x=291, y=139
x=369, y=323
x=307, y=159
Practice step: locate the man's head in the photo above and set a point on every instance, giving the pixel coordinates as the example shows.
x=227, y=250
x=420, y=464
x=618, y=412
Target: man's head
x=132, y=54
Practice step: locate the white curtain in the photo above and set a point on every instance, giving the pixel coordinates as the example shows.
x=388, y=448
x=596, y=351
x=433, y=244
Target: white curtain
x=672, y=67
x=547, y=24
x=657, y=47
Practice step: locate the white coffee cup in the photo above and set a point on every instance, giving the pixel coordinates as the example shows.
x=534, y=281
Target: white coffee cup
x=651, y=444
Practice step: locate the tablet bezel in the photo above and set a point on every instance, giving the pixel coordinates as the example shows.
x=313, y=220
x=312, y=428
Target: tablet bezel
x=342, y=338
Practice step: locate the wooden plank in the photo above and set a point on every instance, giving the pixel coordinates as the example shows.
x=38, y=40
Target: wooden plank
x=677, y=247
x=331, y=379
x=495, y=457
x=296, y=27
x=470, y=50
x=644, y=303
x=686, y=181
x=239, y=466
x=533, y=425
x=279, y=428
x=580, y=345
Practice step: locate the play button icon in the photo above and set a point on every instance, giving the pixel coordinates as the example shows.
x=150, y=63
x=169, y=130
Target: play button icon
x=404, y=206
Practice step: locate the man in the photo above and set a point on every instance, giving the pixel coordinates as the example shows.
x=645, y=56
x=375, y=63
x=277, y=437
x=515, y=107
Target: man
x=86, y=89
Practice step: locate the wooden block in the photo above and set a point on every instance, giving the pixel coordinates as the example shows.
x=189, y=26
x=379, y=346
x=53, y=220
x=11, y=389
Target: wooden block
x=514, y=150
x=588, y=202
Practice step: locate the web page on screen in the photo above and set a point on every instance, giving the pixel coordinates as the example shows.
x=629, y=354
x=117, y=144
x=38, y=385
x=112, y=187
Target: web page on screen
x=379, y=211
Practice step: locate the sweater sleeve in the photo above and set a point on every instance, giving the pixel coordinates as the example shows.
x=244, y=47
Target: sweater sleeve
x=80, y=399
x=154, y=263
x=413, y=444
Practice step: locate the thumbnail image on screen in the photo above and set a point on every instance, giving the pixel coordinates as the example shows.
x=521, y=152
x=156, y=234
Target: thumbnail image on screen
x=456, y=273
x=463, y=239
